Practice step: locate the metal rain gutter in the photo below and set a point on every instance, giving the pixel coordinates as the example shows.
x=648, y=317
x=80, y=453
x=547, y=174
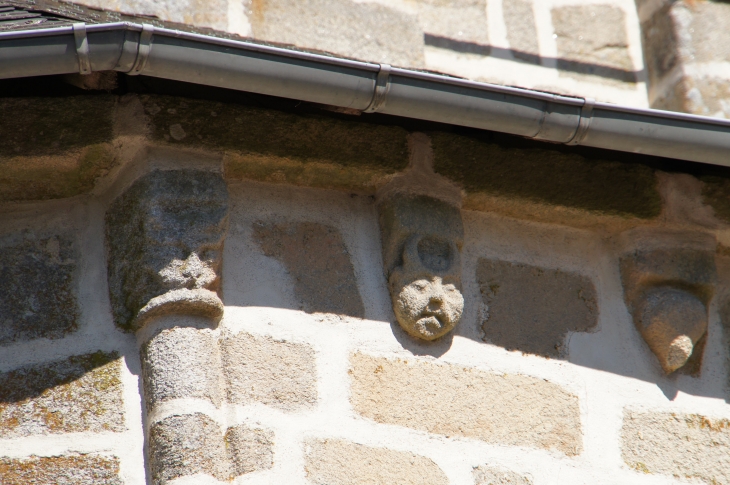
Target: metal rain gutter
x=143, y=49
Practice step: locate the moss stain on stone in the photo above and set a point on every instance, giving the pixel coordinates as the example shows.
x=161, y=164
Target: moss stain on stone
x=547, y=175
x=78, y=469
x=81, y=393
x=293, y=141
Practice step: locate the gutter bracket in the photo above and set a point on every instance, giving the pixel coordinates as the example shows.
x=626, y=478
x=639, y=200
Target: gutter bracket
x=82, y=48
x=586, y=115
x=143, y=50
x=382, y=86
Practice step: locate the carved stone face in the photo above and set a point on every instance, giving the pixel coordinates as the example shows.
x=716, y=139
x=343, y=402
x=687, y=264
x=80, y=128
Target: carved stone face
x=427, y=308
x=426, y=288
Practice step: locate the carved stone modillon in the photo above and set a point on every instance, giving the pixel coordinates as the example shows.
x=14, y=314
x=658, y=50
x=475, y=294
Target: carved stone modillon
x=422, y=238
x=165, y=239
x=667, y=291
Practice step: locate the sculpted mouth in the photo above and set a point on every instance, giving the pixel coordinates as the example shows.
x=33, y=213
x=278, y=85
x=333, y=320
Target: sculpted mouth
x=430, y=324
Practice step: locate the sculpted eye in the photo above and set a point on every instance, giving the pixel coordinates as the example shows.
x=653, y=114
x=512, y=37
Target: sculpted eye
x=449, y=288
x=420, y=285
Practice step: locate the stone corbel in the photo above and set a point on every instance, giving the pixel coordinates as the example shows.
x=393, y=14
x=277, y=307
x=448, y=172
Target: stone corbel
x=165, y=238
x=667, y=290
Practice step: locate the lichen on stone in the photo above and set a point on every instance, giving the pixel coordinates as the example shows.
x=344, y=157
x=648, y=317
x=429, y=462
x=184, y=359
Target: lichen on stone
x=75, y=469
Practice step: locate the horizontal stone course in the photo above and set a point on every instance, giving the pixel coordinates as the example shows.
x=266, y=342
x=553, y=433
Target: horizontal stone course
x=60, y=470
x=495, y=475
x=340, y=462
x=275, y=373
x=459, y=401
x=81, y=393
x=249, y=449
x=687, y=446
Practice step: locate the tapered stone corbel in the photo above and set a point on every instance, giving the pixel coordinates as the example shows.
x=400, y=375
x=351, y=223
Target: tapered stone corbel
x=165, y=238
x=667, y=290
x=422, y=235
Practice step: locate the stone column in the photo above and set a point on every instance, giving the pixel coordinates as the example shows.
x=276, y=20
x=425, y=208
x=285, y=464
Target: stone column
x=165, y=238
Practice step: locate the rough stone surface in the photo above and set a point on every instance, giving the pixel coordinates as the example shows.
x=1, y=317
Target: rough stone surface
x=533, y=309
x=667, y=292
x=249, y=449
x=276, y=146
x=275, y=373
x=708, y=96
x=203, y=13
x=460, y=20
x=37, y=288
x=367, y=31
x=494, y=475
x=494, y=165
x=592, y=40
x=682, y=445
x=521, y=31
x=166, y=233
x=453, y=400
x=81, y=393
x=708, y=28
x=716, y=194
x=43, y=159
x=181, y=363
x=339, y=462
x=422, y=239
x=60, y=470
x=318, y=261
x=660, y=43
x=186, y=445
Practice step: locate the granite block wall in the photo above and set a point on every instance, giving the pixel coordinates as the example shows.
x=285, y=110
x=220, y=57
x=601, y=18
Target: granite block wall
x=273, y=354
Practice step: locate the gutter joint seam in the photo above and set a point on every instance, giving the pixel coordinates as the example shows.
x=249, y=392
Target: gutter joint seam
x=586, y=115
x=143, y=50
x=382, y=86
x=82, y=48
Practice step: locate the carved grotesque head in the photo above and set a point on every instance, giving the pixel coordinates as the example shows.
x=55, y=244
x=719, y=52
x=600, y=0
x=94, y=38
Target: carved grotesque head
x=422, y=237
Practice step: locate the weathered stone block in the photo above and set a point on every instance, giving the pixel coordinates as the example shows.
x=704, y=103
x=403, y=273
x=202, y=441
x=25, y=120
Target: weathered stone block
x=249, y=449
x=60, y=470
x=186, y=445
x=667, y=292
x=339, y=462
x=367, y=31
x=660, y=44
x=521, y=31
x=459, y=401
x=318, y=261
x=533, y=309
x=460, y=20
x=493, y=165
x=165, y=238
x=494, y=475
x=201, y=13
x=592, y=41
x=683, y=445
x=81, y=393
x=37, y=289
x=181, y=363
x=422, y=239
x=275, y=373
x=708, y=31
x=716, y=193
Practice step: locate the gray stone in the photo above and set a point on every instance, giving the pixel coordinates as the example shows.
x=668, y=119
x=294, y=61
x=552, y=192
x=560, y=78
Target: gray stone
x=181, y=363
x=80, y=393
x=708, y=29
x=275, y=373
x=422, y=239
x=521, y=30
x=318, y=261
x=367, y=31
x=494, y=475
x=187, y=445
x=249, y=449
x=686, y=446
x=60, y=470
x=165, y=238
x=592, y=41
x=667, y=292
x=37, y=288
x=533, y=309
x=660, y=44
x=460, y=20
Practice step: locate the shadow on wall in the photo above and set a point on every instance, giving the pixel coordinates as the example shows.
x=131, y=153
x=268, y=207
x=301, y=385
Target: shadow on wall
x=567, y=65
